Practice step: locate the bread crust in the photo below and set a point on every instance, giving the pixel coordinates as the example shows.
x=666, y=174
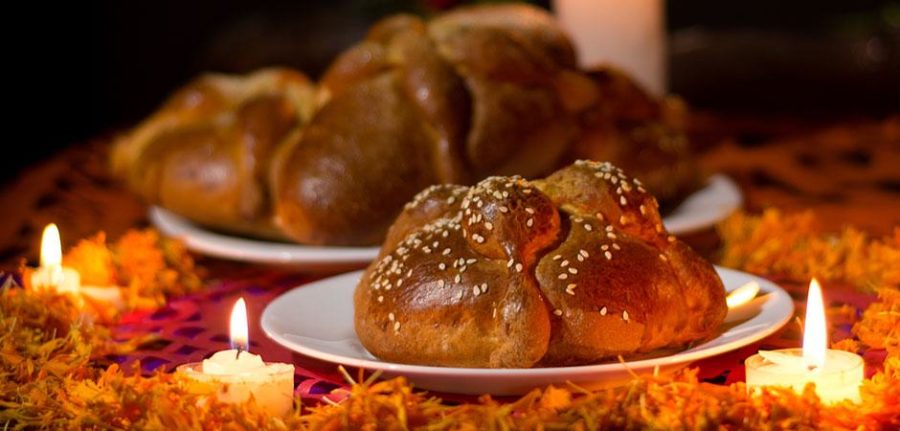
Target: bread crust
x=573, y=269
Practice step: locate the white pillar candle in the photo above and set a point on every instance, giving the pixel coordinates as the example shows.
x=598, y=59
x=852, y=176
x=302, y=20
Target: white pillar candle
x=836, y=374
x=235, y=375
x=628, y=34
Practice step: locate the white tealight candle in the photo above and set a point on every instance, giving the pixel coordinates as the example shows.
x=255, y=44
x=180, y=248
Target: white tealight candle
x=53, y=275
x=235, y=375
x=836, y=374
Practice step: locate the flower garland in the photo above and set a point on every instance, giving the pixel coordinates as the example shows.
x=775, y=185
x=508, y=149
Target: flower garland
x=51, y=374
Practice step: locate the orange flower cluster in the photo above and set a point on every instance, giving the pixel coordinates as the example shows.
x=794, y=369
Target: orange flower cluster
x=794, y=246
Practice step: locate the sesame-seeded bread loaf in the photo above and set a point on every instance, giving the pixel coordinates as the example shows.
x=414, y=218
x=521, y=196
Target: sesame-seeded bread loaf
x=475, y=92
x=576, y=268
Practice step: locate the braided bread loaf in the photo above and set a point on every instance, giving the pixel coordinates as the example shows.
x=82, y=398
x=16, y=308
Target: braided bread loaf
x=573, y=269
x=475, y=92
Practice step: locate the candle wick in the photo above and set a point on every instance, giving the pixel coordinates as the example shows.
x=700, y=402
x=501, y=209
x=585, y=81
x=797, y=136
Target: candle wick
x=238, y=354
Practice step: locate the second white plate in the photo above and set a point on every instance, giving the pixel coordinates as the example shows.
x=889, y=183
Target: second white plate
x=316, y=320
x=700, y=210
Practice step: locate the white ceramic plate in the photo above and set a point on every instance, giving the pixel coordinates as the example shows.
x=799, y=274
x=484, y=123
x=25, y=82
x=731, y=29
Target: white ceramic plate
x=316, y=320
x=700, y=210
x=705, y=207
x=225, y=246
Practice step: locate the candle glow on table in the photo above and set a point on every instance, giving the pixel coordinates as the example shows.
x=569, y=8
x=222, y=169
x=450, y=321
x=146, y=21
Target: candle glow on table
x=51, y=274
x=236, y=374
x=836, y=374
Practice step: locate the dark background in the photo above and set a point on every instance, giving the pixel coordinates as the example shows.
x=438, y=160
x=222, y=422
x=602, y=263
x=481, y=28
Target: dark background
x=83, y=70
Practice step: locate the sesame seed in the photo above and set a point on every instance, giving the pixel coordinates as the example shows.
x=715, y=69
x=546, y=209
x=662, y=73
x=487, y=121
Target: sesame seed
x=457, y=278
x=483, y=287
x=623, y=220
x=504, y=209
x=529, y=222
x=600, y=216
x=618, y=190
x=380, y=298
x=471, y=261
x=396, y=326
x=615, y=180
x=643, y=210
x=609, y=228
x=400, y=282
x=480, y=239
x=604, y=247
x=494, y=313
x=557, y=312
x=622, y=201
x=603, y=311
x=391, y=317
x=580, y=258
x=616, y=246
x=570, y=289
x=426, y=249
x=446, y=251
x=444, y=234
x=510, y=263
x=442, y=266
x=625, y=316
x=488, y=225
x=434, y=244
x=663, y=257
x=583, y=253
x=573, y=270
x=479, y=204
x=671, y=238
x=564, y=263
x=451, y=200
x=441, y=283
x=476, y=290
x=459, y=295
x=518, y=267
x=611, y=235
x=526, y=191
x=462, y=269
x=588, y=227
x=608, y=255
x=557, y=257
x=563, y=276
x=529, y=210
x=409, y=273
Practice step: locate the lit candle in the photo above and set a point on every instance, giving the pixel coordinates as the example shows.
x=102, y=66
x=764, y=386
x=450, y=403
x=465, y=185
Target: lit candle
x=51, y=274
x=627, y=34
x=836, y=374
x=236, y=374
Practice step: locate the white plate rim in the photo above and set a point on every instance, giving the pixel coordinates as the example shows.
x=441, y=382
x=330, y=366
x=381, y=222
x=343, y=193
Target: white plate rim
x=714, y=202
x=780, y=298
x=703, y=208
x=221, y=245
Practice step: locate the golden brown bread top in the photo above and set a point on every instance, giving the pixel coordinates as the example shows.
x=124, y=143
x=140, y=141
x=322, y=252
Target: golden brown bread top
x=476, y=92
x=572, y=269
x=206, y=153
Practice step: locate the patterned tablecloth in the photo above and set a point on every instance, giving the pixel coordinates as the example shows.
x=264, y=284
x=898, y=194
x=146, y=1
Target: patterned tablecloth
x=848, y=173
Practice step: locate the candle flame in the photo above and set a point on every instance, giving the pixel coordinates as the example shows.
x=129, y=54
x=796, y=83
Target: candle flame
x=742, y=295
x=815, y=337
x=51, y=254
x=51, y=247
x=240, y=338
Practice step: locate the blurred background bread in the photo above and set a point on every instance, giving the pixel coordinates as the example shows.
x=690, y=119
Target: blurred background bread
x=478, y=91
x=573, y=269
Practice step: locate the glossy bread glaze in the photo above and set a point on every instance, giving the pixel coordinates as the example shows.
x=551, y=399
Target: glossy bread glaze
x=576, y=268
